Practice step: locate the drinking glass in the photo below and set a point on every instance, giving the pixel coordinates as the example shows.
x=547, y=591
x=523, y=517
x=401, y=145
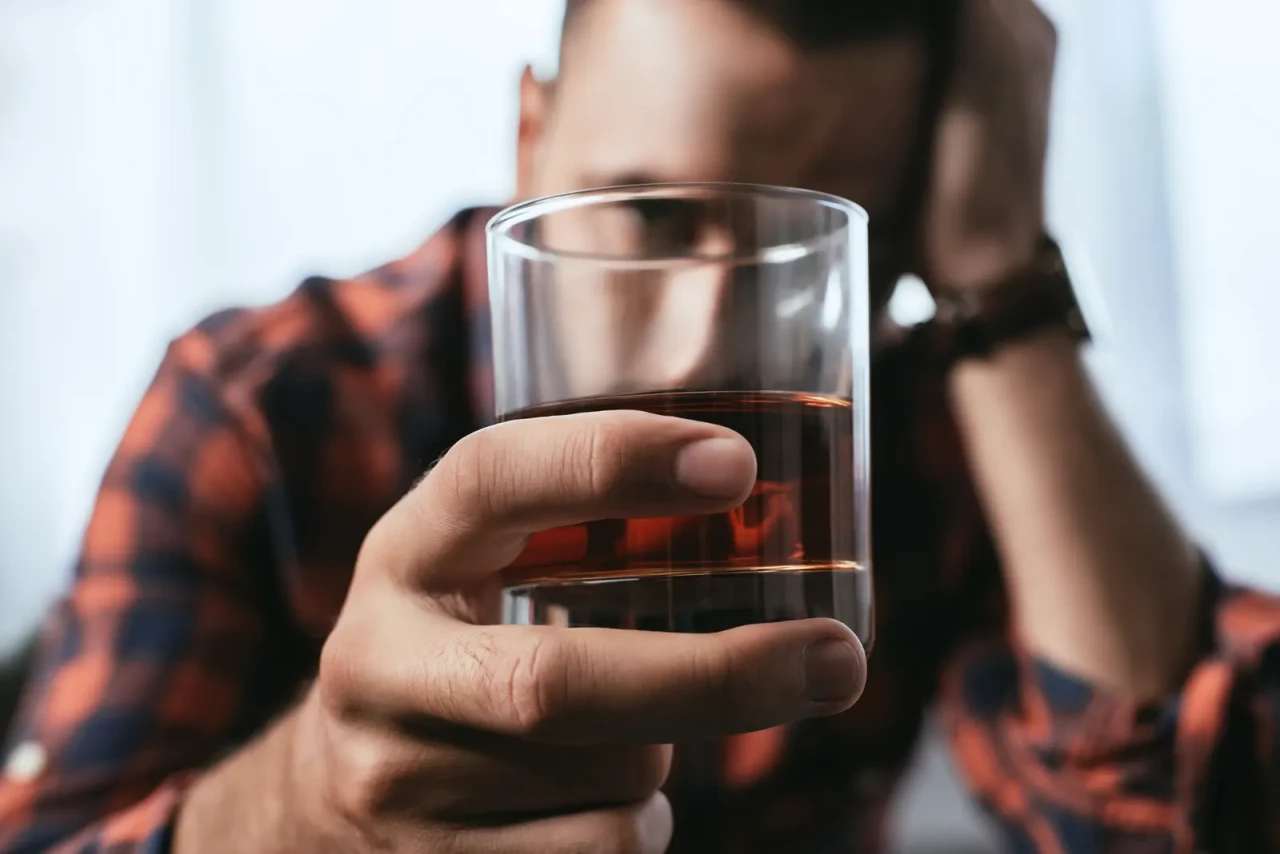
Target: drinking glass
x=739, y=305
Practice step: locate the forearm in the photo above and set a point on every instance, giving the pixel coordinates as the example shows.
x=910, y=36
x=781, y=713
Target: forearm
x=248, y=803
x=1102, y=581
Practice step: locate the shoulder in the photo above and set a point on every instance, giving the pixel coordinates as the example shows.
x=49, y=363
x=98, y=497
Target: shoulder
x=329, y=325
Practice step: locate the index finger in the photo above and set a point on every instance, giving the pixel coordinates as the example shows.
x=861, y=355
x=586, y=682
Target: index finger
x=472, y=513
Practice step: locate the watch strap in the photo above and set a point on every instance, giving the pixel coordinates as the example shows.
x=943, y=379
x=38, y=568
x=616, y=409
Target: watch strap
x=974, y=322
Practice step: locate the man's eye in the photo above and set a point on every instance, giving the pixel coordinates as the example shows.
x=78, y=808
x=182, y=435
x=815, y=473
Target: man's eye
x=658, y=210
x=669, y=225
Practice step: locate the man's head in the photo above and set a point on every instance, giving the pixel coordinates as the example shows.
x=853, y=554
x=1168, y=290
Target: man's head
x=821, y=94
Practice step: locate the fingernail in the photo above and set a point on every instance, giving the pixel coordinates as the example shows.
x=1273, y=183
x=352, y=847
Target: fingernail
x=830, y=671
x=716, y=468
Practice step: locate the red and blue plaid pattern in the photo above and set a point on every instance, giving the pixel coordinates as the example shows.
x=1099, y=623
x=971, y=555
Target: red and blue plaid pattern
x=224, y=535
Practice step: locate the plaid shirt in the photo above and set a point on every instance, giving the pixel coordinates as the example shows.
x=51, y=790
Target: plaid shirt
x=224, y=536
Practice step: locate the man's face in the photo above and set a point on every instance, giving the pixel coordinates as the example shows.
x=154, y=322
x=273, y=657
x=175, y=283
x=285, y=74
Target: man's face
x=697, y=90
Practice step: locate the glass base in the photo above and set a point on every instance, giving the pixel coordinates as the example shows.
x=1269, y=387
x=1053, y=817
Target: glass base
x=699, y=602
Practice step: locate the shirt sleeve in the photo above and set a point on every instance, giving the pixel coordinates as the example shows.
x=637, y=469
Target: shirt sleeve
x=142, y=667
x=1066, y=767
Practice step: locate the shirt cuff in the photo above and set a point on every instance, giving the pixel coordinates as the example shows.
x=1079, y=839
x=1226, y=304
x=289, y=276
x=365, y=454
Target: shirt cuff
x=1142, y=765
x=1080, y=722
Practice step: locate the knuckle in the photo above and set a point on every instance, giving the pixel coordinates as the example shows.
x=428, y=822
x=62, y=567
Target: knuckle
x=366, y=779
x=461, y=676
x=1049, y=39
x=485, y=472
x=464, y=473
x=495, y=473
x=601, y=454
x=1042, y=19
x=1043, y=29
x=715, y=667
x=360, y=778
x=535, y=687
x=336, y=678
x=644, y=772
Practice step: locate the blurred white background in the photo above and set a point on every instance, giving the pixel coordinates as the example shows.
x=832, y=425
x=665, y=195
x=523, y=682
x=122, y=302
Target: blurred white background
x=163, y=158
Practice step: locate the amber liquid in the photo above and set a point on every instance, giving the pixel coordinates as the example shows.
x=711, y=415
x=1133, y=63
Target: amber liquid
x=788, y=552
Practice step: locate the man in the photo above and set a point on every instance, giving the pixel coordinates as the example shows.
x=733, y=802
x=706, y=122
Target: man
x=268, y=646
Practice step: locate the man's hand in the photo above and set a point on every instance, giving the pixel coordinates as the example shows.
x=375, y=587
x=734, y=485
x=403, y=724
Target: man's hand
x=984, y=211
x=1102, y=581
x=430, y=731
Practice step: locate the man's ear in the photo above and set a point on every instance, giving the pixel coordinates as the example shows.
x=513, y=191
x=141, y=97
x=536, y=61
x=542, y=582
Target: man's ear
x=535, y=96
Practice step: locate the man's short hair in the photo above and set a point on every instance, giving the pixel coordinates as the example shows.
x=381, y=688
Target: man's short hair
x=818, y=24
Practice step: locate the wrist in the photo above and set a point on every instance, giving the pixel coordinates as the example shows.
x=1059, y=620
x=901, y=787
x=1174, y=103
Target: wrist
x=977, y=263
x=1037, y=298
x=1039, y=356
x=258, y=790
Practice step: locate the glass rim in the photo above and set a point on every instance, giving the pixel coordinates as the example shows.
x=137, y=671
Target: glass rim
x=498, y=229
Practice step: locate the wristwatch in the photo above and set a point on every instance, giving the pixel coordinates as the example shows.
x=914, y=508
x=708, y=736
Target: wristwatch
x=974, y=322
